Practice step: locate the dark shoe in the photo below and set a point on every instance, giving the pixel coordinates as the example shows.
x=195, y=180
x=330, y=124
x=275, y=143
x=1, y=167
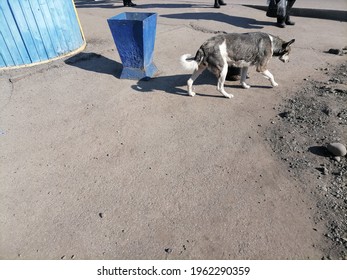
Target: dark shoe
x=221, y=2
x=281, y=24
x=131, y=4
x=289, y=22
x=128, y=3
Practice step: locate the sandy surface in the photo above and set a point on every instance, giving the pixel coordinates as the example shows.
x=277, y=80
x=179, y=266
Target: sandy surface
x=94, y=167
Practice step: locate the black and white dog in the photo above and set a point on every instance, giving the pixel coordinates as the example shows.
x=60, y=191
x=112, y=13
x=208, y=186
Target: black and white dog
x=238, y=50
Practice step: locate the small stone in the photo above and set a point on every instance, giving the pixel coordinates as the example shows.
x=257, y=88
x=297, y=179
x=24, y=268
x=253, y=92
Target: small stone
x=101, y=215
x=287, y=114
x=337, y=149
x=338, y=159
x=334, y=51
x=63, y=257
x=325, y=171
x=327, y=111
x=339, y=87
x=168, y=250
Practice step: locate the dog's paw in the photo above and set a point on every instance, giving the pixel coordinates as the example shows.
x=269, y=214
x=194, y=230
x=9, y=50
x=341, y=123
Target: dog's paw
x=192, y=93
x=227, y=95
x=244, y=85
x=274, y=84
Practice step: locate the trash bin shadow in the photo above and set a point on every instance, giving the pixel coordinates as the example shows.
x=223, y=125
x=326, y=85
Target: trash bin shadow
x=96, y=63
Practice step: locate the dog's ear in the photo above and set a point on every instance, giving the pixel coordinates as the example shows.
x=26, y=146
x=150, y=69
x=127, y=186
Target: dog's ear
x=285, y=45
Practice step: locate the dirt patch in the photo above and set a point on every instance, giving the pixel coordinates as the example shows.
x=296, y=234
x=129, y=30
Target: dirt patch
x=313, y=117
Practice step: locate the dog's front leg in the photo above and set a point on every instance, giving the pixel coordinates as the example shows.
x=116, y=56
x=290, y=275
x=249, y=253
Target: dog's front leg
x=243, y=77
x=269, y=76
x=221, y=81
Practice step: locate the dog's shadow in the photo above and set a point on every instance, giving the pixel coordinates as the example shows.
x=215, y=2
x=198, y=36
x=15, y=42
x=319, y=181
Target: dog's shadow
x=177, y=84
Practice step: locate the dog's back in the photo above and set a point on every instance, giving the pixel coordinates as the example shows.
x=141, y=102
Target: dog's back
x=240, y=50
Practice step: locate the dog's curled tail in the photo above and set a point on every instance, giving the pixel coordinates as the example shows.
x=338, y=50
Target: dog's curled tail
x=188, y=62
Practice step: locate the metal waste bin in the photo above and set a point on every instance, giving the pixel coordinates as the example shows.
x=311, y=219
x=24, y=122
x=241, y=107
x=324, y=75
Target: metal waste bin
x=134, y=36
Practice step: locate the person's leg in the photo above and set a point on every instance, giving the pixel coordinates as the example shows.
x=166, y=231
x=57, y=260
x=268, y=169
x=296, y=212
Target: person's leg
x=289, y=7
x=128, y=3
x=218, y=3
x=281, y=18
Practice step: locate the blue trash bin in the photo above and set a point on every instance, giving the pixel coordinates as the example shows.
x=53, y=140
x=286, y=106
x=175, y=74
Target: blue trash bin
x=134, y=36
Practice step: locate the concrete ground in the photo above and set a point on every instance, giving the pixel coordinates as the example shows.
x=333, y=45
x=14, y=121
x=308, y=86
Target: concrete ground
x=94, y=167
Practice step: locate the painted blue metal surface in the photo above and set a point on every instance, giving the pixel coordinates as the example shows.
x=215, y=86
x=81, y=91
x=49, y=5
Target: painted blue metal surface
x=33, y=31
x=134, y=36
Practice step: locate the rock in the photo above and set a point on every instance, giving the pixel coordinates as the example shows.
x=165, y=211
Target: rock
x=287, y=114
x=334, y=51
x=338, y=159
x=328, y=111
x=337, y=149
x=339, y=87
x=168, y=250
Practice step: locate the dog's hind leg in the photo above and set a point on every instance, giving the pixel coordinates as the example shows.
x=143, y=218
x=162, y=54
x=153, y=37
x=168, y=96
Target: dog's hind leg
x=221, y=80
x=270, y=77
x=243, y=77
x=194, y=76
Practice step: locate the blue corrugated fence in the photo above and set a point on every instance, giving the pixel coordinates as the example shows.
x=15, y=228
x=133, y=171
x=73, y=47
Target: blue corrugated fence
x=33, y=31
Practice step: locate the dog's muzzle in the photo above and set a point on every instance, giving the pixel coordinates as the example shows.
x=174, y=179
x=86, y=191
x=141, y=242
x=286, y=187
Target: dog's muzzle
x=284, y=58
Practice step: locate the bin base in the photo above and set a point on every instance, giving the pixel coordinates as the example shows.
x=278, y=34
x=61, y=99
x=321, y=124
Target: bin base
x=139, y=73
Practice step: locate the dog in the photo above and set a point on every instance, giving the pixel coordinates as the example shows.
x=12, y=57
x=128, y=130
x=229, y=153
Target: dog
x=240, y=50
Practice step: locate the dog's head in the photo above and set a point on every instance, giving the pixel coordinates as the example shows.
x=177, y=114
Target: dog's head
x=285, y=50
